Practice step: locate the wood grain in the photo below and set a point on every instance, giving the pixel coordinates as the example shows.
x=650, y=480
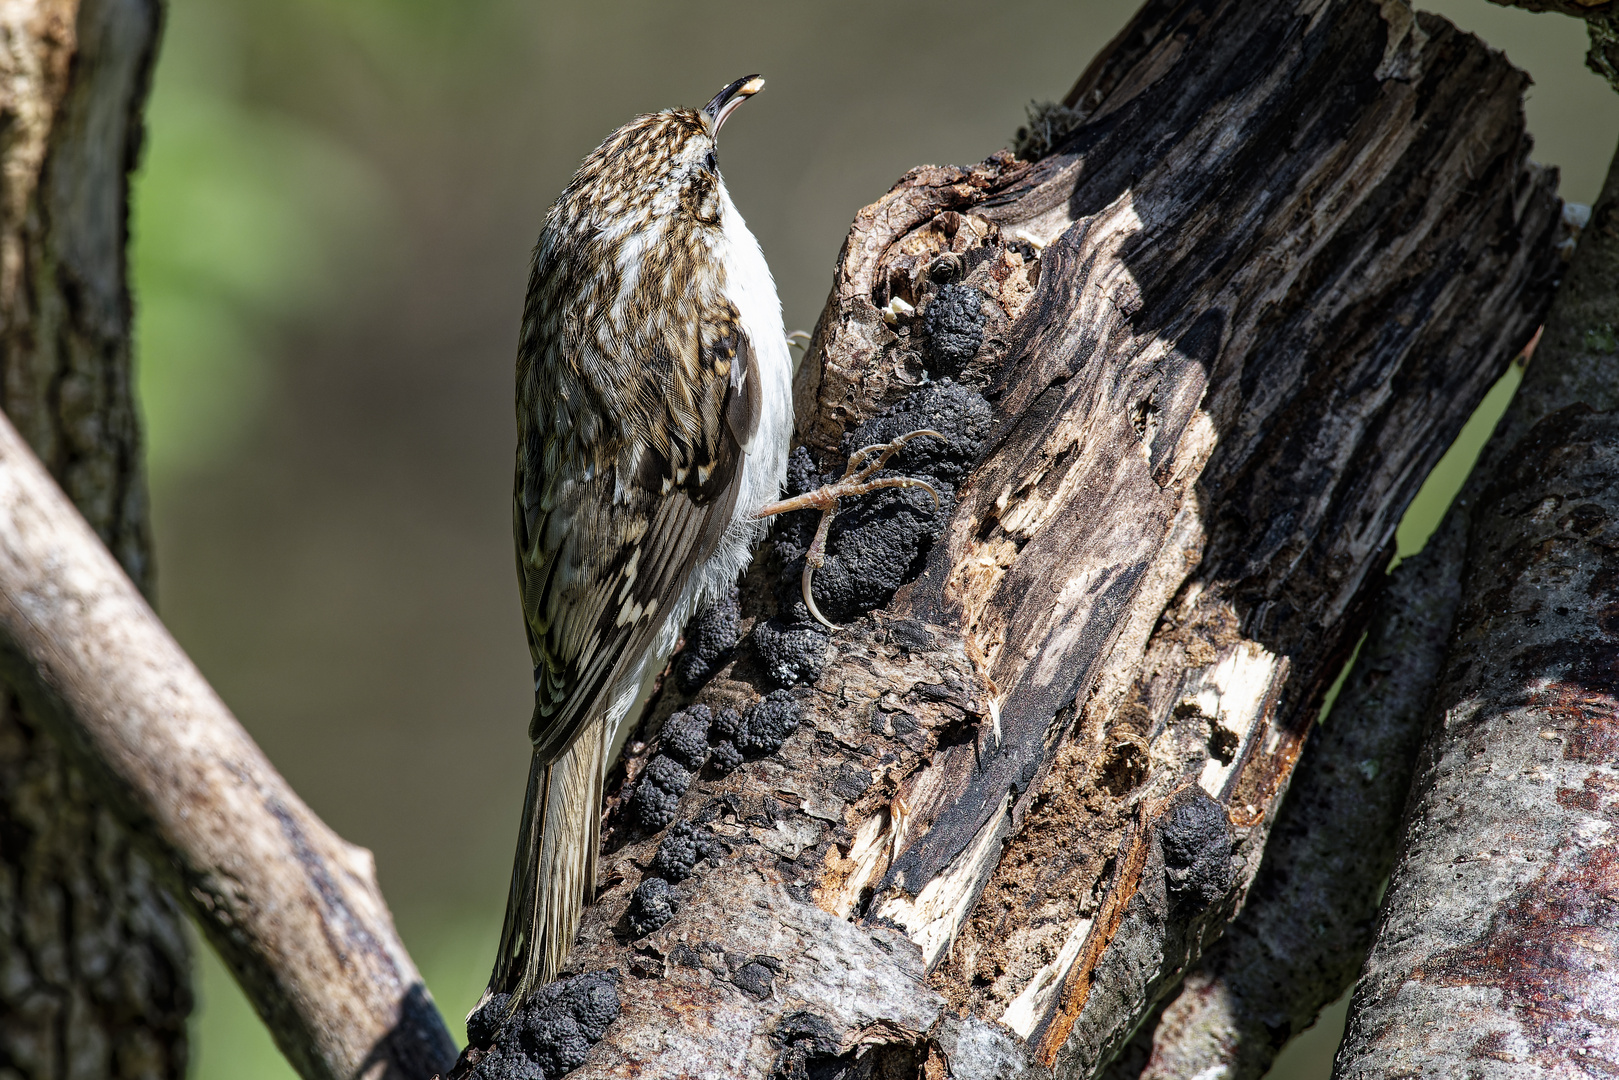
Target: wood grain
x=1496, y=934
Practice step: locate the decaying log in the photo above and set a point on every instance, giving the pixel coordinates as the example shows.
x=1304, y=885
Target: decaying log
x=1499, y=931
x=1296, y=944
x=1275, y=256
x=1307, y=923
x=293, y=909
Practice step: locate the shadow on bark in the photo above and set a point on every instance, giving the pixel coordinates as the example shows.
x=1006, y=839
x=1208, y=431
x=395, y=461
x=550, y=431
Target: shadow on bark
x=1273, y=258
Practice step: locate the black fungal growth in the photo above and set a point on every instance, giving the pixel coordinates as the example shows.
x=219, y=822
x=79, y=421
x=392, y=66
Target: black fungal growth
x=725, y=757
x=756, y=735
x=953, y=323
x=685, y=736
x=680, y=851
x=757, y=976
x=710, y=636
x=961, y=415
x=658, y=794
x=1196, y=839
x=506, y=1063
x=651, y=905
x=790, y=651
x=768, y=725
x=791, y=648
x=806, y=1040
x=550, y=1035
x=877, y=542
x=720, y=737
x=484, y=1025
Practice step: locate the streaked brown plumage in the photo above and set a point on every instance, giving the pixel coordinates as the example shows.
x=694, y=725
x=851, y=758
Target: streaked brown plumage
x=653, y=410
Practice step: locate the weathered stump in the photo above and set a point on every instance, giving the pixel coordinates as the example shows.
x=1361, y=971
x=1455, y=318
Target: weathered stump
x=1232, y=305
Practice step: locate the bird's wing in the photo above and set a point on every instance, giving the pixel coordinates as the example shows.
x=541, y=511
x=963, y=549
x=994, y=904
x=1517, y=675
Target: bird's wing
x=604, y=552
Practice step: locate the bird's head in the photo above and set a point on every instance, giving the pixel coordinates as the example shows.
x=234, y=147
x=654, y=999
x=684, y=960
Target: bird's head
x=658, y=168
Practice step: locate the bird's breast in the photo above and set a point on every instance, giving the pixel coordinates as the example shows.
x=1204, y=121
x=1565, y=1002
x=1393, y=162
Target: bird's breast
x=749, y=285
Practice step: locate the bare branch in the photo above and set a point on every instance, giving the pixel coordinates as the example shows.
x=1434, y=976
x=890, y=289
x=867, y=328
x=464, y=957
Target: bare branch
x=1502, y=919
x=1274, y=255
x=293, y=909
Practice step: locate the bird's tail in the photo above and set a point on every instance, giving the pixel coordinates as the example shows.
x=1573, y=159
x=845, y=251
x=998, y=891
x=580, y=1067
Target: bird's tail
x=554, y=873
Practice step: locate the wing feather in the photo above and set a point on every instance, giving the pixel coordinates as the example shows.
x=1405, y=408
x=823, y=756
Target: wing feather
x=605, y=553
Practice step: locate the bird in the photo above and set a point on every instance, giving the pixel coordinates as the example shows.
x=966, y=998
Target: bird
x=654, y=412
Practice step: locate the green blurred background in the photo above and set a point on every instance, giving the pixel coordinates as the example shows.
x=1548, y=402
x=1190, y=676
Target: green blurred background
x=331, y=233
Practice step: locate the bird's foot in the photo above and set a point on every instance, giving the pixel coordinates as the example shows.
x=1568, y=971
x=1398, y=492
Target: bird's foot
x=856, y=481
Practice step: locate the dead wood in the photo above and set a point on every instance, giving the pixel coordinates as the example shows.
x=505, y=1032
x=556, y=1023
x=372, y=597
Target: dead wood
x=1278, y=255
x=1494, y=952
x=1263, y=264
x=1308, y=921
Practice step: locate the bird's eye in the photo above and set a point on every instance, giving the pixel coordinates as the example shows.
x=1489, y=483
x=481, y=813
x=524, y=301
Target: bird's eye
x=711, y=162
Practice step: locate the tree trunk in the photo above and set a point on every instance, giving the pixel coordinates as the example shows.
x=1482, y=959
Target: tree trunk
x=97, y=969
x=1234, y=302
x=1498, y=933
x=1208, y=333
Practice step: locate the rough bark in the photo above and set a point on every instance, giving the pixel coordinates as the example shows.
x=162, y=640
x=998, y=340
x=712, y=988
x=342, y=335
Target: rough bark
x=1497, y=937
x=1233, y=319
x=293, y=909
x=94, y=964
x=1278, y=255
x=1307, y=924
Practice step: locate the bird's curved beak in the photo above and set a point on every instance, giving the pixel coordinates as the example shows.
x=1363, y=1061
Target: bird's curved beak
x=726, y=101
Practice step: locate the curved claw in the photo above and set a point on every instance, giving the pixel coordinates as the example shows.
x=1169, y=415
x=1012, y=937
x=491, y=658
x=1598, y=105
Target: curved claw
x=884, y=451
x=809, y=599
x=862, y=463
x=896, y=482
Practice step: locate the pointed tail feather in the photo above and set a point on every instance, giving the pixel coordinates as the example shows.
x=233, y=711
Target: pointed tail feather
x=554, y=873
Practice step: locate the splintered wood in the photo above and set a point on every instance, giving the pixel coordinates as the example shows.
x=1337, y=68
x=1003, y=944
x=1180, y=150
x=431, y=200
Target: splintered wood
x=1230, y=324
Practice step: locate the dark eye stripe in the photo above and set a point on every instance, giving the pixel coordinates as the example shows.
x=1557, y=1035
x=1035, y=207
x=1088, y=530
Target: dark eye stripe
x=711, y=162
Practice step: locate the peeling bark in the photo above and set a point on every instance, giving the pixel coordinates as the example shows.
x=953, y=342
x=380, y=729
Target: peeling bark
x=1231, y=322
x=1497, y=937
x=1273, y=259
x=96, y=968
x=1307, y=924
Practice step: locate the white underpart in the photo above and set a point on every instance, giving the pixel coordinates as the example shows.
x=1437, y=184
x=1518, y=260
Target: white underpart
x=630, y=249
x=750, y=287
